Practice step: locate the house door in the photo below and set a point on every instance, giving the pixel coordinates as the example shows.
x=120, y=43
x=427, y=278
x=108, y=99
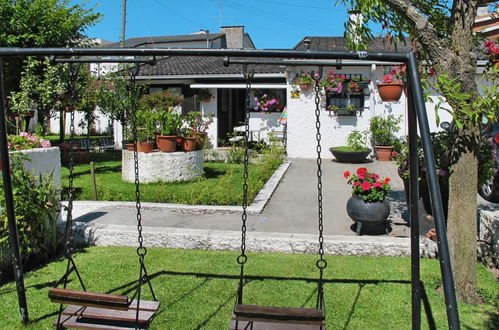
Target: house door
x=231, y=111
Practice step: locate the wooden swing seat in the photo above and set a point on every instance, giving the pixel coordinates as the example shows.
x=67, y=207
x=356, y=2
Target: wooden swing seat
x=269, y=317
x=85, y=298
x=89, y=310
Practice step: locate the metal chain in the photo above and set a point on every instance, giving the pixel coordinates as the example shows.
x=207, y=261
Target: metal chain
x=242, y=258
x=321, y=262
x=73, y=72
x=141, y=250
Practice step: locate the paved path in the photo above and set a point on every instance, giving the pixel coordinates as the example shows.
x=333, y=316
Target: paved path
x=292, y=208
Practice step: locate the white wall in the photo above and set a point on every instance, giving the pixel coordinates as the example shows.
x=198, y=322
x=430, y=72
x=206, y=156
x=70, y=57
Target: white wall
x=211, y=108
x=301, y=130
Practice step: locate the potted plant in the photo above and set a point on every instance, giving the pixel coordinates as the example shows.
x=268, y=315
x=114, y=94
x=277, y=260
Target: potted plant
x=188, y=139
x=391, y=87
x=383, y=129
x=205, y=95
x=333, y=82
x=169, y=124
x=368, y=205
x=267, y=103
x=304, y=80
x=146, y=127
x=199, y=125
x=355, y=151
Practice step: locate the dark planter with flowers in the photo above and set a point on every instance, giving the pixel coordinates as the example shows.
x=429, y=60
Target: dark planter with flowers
x=370, y=216
x=368, y=206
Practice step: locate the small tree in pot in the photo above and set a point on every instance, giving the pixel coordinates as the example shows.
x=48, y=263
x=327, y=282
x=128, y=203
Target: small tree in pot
x=169, y=123
x=383, y=129
x=355, y=151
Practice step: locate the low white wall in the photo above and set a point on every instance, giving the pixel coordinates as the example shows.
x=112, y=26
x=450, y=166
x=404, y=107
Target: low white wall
x=44, y=161
x=163, y=166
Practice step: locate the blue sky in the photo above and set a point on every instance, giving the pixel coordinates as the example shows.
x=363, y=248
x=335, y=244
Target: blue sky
x=270, y=23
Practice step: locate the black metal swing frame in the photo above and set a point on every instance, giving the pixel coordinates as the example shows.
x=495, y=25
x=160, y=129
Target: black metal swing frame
x=416, y=115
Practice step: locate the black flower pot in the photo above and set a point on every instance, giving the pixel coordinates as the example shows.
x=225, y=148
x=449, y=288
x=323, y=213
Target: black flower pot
x=369, y=216
x=350, y=156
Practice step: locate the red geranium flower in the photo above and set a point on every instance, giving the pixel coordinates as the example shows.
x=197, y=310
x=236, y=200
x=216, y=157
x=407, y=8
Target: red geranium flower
x=361, y=170
x=346, y=174
x=366, y=185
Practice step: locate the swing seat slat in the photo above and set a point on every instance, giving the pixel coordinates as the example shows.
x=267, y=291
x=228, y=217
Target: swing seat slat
x=75, y=322
x=108, y=314
x=85, y=298
x=310, y=316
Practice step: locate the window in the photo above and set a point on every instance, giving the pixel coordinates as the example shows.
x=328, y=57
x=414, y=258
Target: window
x=350, y=99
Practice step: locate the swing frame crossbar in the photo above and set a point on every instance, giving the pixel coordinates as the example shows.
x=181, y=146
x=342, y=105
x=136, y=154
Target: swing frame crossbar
x=416, y=118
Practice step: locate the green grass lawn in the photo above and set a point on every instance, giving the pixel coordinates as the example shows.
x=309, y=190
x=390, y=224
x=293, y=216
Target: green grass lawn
x=221, y=184
x=197, y=288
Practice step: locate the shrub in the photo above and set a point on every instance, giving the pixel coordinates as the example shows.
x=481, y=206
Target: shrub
x=34, y=203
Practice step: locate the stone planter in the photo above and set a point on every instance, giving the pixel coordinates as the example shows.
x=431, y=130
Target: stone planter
x=350, y=156
x=163, y=166
x=369, y=217
x=44, y=161
x=383, y=153
x=390, y=92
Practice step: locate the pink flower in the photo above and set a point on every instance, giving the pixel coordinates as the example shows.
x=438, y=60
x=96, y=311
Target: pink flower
x=33, y=138
x=362, y=176
x=394, y=154
x=366, y=185
x=388, y=79
x=23, y=134
x=356, y=184
x=377, y=184
x=45, y=143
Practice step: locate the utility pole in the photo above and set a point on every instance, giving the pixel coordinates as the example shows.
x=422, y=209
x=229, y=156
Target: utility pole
x=123, y=22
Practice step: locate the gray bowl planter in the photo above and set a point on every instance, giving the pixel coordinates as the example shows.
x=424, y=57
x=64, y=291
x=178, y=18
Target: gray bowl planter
x=350, y=156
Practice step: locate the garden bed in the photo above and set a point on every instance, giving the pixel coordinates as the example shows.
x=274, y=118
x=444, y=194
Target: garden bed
x=221, y=184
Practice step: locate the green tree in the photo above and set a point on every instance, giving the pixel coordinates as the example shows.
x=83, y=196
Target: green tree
x=40, y=23
x=443, y=31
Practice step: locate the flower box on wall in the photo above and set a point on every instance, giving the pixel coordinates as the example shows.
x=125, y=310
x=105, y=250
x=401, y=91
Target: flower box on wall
x=344, y=111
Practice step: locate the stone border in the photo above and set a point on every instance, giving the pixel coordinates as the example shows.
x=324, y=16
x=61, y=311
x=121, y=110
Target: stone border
x=182, y=238
x=259, y=203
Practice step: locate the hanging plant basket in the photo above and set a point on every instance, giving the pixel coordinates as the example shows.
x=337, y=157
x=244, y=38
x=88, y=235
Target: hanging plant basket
x=390, y=92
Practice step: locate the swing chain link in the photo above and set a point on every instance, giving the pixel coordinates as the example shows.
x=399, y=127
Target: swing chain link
x=141, y=250
x=241, y=259
x=321, y=262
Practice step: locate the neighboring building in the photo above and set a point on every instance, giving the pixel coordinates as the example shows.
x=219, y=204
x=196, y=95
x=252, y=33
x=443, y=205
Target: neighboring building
x=487, y=23
x=187, y=74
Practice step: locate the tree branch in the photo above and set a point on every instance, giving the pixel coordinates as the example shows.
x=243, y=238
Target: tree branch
x=427, y=34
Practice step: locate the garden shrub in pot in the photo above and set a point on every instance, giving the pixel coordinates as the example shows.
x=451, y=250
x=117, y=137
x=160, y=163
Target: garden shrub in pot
x=383, y=129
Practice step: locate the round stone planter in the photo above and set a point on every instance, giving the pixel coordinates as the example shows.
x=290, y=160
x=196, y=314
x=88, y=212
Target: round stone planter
x=368, y=216
x=163, y=166
x=350, y=156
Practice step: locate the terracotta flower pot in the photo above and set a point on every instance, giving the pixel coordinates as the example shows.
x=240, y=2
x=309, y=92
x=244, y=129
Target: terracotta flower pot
x=305, y=86
x=188, y=143
x=390, y=92
x=167, y=143
x=200, y=138
x=130, y=146
x=145, y=147
x=383, y=153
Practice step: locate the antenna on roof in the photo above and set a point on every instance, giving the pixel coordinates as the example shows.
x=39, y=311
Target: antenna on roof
x=220, y=4
x=123, y=22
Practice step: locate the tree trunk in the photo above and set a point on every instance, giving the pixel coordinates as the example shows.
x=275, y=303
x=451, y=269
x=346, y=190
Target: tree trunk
x=462, y=217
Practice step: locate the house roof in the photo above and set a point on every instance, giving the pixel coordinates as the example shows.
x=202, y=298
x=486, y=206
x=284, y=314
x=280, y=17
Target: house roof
x=377, y=44
x=201, y=65
x=154, y=41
